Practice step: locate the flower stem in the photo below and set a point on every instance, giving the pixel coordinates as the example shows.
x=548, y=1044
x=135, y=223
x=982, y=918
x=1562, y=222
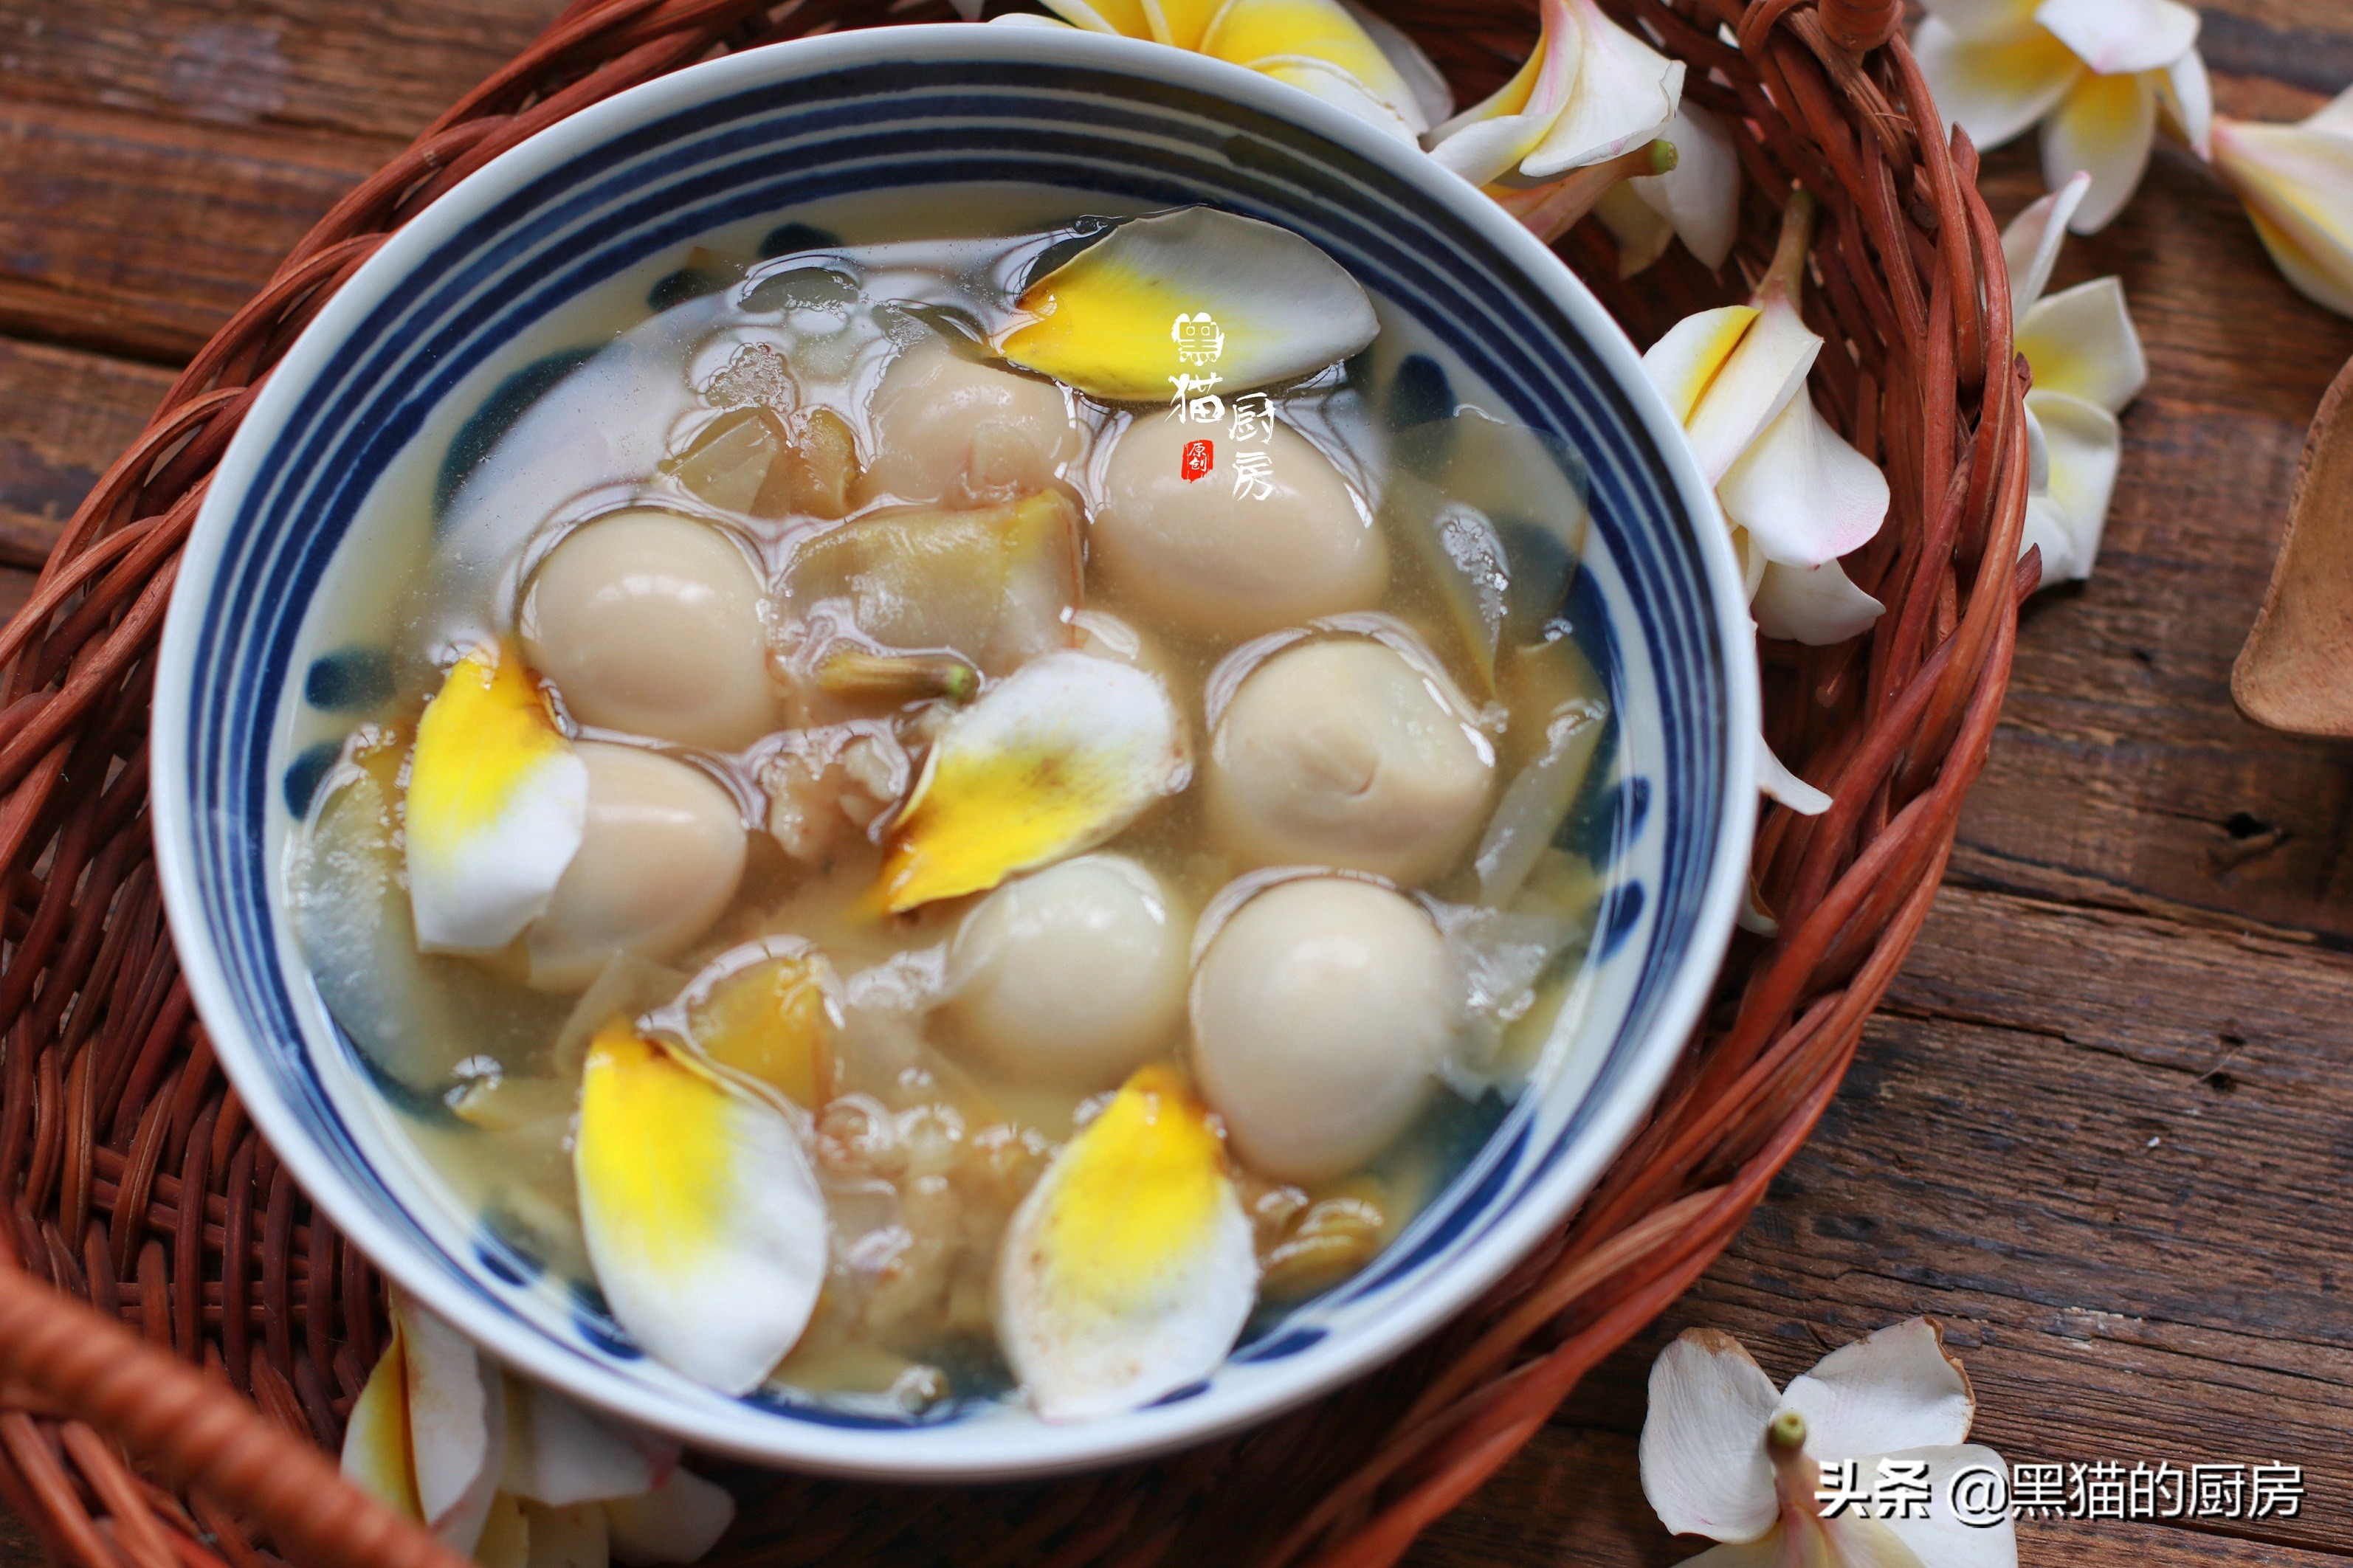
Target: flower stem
x=1549, y=210
x=1788, y=273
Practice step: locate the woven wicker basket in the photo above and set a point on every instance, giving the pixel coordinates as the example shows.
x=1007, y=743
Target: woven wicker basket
x=139, y=1205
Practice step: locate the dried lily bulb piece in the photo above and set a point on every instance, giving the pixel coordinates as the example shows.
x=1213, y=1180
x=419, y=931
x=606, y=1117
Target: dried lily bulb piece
x=1320, y=1012
x=1228, y=564
x=988, y=586
x=496, y=806
x=1073, y=975
x=661, y=856
x=701, y=1212
x=770, y=1014
x=1048, y=763
x=1336, y=1235
x=950, y=430
x=748, y=461
x=1128, y=1270
x=1341, y=752
x=1101, y=320
x=426, y=1435
x=650, y=624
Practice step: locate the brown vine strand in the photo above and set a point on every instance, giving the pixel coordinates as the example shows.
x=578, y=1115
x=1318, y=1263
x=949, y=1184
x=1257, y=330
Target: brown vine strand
x=129, y=1177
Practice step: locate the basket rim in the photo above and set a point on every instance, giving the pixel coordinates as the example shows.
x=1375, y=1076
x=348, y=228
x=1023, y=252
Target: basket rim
x=1044, y=1449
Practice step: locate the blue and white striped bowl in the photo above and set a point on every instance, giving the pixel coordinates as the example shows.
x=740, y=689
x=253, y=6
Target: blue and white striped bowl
x=450, y=316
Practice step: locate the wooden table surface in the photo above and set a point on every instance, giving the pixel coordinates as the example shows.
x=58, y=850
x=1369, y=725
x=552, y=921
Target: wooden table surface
x=2103, y=1126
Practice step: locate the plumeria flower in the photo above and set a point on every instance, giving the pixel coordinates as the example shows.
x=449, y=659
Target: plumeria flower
x=1854, y=1466
x=1333, y=49
x=1578, y=117
x=2087, y=364
x=2093, y=73
x=2297, y=184
x=1796, y=496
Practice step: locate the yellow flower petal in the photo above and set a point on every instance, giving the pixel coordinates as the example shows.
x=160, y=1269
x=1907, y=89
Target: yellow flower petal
x=497, y=804
x=1763, y=374
x=375, y=1437
x=1488, y=139
x=1338, y=89
x=2297, y=184
x=1128, y=1270
x=1685, y=363
x=1104, y=321
x=1048, y=763
x=1179, y=22
x=2081, y=342
x=1119, y=18
x=1624, y=95
x=2106, y=126
x=1257, y=33
x=1994, y=87
x=700, y=1209
x=770, y=1014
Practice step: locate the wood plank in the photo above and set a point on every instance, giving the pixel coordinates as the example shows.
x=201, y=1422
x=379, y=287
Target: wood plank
x=333, y=65
x=140, y=237
x=64, y=418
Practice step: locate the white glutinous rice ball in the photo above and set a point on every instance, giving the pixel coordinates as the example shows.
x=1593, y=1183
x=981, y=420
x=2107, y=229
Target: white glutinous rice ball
x=650, y=623
x=948, y=429
x=661, y=857
x=1222, y=562
x=1073, y=976
x=1341, y=752
x=1320, y=1013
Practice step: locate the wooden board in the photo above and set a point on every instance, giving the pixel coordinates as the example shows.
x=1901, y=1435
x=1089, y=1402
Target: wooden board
x=2145, y=934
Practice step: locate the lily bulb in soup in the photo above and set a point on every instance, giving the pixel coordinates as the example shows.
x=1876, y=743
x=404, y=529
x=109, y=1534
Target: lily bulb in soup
x=963, y=861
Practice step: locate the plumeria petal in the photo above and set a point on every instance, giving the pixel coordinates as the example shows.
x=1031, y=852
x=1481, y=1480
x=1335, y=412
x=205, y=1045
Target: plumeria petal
x=1422, y=76
x=1803, y=494
x=2297, y=184
x=2038, y=456
x=2082, y=341
x=1994, y=89
x=2106, y=125
x=1984, y=21
x=1101, y=320
x=1685, y=363
x=1764, y=375
x=1641, y=231
x=2048, y=530
x=678, y=1522
x=2029, y=245
x=1942, y=1538
x=1774, y=778
x=1128, y=1270
x=2118, y=35
x=1180, y=23
x=498, y=802
x=376, y=1455
x=700, y=1209
x=1489, y=137
x=1701, y=195
x=1119, y=18
x=1258, y=33
x=1625, y=94
x=1896, y=1389
x=1048, y=763
x=1025, y=19
x=2086, y=446
x=1342, y=91
x=1705, y=1467
x=2187, y=96
x=1817, y=605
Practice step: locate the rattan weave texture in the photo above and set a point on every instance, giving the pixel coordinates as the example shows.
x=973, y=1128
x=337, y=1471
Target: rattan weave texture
x=131, y=1181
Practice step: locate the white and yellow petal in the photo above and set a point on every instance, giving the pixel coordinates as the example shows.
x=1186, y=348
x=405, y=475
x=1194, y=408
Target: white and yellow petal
x=1488, y=139
x=677, y=1521
x=2084, y=448
x=1817, y=605
x=1431, y=95
x=1116, y=18
x=1048, y=763
x=497, y=804
x=1128, y=1271
x=1685, y=363
x=1262, y=33
x=2186, y=96
x=1803, y=494
x=1764, y=373
x=1624, y=94
x=1705, y=1467
x=1180, y=23
x=700, y=1209
x=1341, y=91
x=2082, y=341
x=2029, y=245
x=1994, y=87
x=2105, y=127
x=1897, y=1388
x=376, y=1456
x=1701, y=195
x=1984, y=21
x=1104, y=321
x=2296, y=181
x=2114, y=36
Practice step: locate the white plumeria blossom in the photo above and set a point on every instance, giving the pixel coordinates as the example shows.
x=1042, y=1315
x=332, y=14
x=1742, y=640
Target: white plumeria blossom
x=2087, y=364
x=1726, y=1457
x=2296, y=181
x=1697, y=200
x=2095, y=74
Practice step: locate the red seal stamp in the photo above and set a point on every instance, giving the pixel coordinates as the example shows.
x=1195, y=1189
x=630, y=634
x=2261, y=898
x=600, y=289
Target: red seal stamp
x=1198, y=458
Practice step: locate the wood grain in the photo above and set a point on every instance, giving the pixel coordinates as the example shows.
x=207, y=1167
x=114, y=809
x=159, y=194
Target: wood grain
x=64, y=416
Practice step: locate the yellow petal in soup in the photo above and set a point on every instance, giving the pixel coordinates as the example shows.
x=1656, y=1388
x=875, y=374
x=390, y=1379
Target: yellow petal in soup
x=701, y=1212
x=497, y=804
x=772, y=1020
x=1105, y=320
x=1129, y=1269
x=1048, y=763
